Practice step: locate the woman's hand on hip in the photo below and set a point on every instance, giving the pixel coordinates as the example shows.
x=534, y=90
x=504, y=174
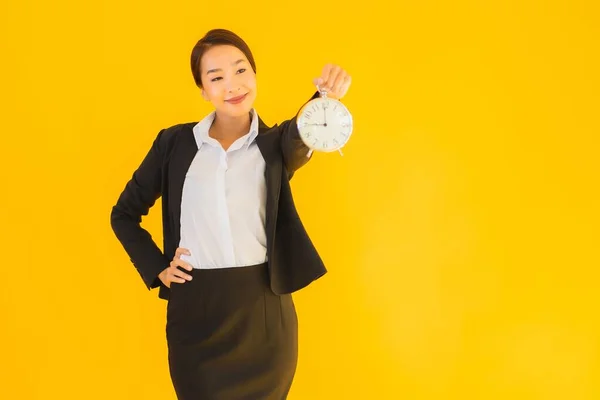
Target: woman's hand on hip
x=172, y=274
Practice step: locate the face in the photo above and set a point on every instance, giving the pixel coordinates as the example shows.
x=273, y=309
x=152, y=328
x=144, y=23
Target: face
x=228, y=80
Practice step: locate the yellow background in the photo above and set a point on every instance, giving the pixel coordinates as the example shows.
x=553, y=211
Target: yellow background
x=460, y=228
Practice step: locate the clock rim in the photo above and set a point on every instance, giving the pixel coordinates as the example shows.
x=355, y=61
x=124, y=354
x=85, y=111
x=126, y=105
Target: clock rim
x=310, y=146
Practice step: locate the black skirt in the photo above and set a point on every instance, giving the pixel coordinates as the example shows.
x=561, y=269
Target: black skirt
x=230, y=337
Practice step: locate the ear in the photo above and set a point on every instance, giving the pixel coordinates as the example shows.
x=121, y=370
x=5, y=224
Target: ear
x=204, y=96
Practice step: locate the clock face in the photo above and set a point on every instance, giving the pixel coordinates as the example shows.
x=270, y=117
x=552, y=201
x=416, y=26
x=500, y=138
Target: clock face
x=325, y=124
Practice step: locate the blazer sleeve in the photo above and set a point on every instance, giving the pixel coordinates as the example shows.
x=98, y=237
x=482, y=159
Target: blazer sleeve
x=295, y=152
x=139, y=195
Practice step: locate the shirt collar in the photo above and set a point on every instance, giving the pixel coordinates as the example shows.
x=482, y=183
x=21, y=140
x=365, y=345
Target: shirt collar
x=201, y=131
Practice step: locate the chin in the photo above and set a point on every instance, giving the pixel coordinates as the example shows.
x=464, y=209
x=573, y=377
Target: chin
x=238, y=110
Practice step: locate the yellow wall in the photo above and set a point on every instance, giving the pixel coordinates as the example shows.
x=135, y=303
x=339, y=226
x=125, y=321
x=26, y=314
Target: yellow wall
x=460, y=228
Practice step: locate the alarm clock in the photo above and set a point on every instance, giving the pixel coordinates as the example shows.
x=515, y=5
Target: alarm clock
x=324, y=124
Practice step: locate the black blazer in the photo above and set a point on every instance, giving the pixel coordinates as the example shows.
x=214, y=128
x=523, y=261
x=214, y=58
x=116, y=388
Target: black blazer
x=293, y=261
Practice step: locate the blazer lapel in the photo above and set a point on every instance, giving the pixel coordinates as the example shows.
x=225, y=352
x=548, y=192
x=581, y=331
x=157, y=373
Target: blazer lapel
x=268, y=144
x=178, y=167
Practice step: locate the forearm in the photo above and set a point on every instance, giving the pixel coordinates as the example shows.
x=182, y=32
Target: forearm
x=143, y=252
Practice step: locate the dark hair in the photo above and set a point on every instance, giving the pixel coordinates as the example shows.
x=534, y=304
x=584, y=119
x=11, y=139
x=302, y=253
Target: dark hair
x=212, y=38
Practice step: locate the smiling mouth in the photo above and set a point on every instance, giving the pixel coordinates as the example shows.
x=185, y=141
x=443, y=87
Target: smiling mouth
x=236, y=100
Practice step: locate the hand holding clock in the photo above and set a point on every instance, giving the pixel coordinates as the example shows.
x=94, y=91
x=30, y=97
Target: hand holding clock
x=335, y=80
x=324, y=123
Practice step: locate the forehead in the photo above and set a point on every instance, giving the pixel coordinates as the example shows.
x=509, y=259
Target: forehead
x=221, y=56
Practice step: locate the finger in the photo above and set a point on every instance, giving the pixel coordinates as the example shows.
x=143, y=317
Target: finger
x=180, y=251
x=345, y=86
x=339, y=82
x=175, y=279
x=326, y=72
x=330, y=80
x=324, y=78
x=178, y=262
x=182, y=275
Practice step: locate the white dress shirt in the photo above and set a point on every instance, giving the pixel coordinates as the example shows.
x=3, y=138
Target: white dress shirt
x=223, y=201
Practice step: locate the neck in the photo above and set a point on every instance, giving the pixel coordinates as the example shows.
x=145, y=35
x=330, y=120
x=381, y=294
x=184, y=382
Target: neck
x=227, y=127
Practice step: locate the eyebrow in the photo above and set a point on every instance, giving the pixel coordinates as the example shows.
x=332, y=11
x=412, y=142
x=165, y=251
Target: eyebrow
x=219, y=69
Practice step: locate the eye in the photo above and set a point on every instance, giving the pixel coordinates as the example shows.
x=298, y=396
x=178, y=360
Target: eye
x=242, y=70
x=215, y=79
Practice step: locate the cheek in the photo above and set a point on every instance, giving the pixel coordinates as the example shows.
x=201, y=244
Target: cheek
x=212, y=92
x=250, y=82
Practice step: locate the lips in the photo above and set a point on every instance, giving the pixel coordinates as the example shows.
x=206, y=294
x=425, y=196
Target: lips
x=236, y=100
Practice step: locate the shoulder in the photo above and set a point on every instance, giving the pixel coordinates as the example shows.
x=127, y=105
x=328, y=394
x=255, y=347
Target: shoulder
x=171, y=134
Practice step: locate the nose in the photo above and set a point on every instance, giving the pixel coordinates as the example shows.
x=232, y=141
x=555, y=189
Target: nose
x=234, y=85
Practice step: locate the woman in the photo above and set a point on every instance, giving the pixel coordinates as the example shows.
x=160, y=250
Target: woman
x=234, y=246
